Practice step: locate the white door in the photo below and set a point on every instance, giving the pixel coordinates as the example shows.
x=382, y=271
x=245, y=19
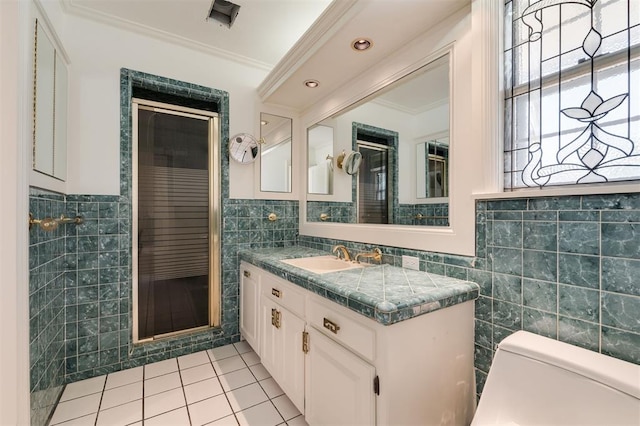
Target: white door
x=249, y=306
x=339, y=385
x=281, y=347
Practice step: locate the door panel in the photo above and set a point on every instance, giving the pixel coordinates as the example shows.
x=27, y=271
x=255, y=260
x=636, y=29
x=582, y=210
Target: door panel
x=339, y=386
x=175, y=202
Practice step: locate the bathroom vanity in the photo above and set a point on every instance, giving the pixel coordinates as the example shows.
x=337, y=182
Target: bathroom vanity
x=367, y=345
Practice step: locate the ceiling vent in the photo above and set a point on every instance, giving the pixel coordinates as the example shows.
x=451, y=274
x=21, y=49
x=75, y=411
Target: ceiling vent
x=224, y=12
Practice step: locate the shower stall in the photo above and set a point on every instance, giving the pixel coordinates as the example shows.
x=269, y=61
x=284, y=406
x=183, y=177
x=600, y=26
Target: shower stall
x=176, y=217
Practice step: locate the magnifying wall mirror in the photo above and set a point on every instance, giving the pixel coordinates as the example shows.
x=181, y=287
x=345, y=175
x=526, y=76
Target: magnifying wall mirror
x=393, y=185
x=275, y=153
x=243, y=148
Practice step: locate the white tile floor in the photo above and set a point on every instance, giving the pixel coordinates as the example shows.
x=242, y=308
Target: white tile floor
x=221, y=386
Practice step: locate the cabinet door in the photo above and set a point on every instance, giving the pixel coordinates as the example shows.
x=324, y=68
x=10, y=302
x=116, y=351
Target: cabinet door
x=282, y=355
x=249, y=306
x=339, y=385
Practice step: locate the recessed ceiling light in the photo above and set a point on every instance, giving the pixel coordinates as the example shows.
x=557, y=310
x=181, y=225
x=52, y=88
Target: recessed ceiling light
x=312, y=83
x=361, y=44
x=264, y=122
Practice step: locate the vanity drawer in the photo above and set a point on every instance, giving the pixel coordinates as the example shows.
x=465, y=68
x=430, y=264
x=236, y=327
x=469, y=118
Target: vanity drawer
x=338, y=326
x=285, y=293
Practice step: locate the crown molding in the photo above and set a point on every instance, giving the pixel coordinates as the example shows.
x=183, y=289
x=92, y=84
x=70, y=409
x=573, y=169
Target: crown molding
x=78, y=10
x=330, y=22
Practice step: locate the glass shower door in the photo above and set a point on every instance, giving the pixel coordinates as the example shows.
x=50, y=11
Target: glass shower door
x=174, y=221
x=373, y=188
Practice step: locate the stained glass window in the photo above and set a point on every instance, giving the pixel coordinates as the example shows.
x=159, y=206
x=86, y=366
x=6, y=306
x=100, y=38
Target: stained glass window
x=572, y=92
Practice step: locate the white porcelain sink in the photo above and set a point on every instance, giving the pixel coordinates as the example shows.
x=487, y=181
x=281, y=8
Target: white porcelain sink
x=322, y=264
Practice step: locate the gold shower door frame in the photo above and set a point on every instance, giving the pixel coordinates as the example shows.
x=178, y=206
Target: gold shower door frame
x=214, y=211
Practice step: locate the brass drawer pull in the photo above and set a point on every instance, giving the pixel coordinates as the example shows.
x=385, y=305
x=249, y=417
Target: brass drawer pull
x=331, y=326
x=247, y=274
x=275, y=292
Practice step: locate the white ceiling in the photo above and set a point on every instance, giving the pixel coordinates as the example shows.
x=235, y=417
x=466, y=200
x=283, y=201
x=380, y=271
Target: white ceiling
x=262, y=34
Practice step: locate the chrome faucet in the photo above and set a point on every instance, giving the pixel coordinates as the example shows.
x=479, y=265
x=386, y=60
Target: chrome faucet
x=375, y=254
x=342, y=249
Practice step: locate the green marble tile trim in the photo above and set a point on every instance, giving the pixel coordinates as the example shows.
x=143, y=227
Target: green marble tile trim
x=385, y=293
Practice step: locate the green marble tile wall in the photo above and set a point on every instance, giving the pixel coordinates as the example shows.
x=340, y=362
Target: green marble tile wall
x=46, y=305
x=562, y=267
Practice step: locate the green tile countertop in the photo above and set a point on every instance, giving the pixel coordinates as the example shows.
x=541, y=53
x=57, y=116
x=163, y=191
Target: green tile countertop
x=385, y=293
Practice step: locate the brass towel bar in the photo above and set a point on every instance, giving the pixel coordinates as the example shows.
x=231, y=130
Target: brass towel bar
x=51, y=223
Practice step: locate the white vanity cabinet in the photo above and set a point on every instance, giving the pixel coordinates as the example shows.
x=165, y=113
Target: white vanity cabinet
x=340, y=367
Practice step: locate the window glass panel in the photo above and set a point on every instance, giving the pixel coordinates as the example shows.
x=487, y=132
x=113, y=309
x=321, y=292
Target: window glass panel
x=574, y=107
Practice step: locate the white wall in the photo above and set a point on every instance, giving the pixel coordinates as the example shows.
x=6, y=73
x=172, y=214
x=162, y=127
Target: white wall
x=97, y=52
x=15, y=137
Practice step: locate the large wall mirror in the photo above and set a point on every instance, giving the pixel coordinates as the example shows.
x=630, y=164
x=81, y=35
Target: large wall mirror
x=462, y=38
x=275, y=153
x=403, y=135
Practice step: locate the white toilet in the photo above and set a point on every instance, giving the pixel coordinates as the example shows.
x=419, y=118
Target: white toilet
x=538, y=381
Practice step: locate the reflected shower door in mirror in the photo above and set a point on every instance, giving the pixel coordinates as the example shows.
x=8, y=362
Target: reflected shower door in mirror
x=320, y=159
x=389, y=126
x=275, y=155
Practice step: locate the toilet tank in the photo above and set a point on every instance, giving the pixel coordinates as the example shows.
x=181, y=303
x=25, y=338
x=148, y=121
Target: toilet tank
x=535, y=380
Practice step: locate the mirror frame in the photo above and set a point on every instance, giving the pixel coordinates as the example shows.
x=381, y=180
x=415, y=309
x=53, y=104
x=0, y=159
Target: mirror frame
x=470, y=48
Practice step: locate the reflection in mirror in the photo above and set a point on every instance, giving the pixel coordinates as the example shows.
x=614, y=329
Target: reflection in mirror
x=432, y=174
x=387, y=129
x=320, y=159
x=275, y=155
